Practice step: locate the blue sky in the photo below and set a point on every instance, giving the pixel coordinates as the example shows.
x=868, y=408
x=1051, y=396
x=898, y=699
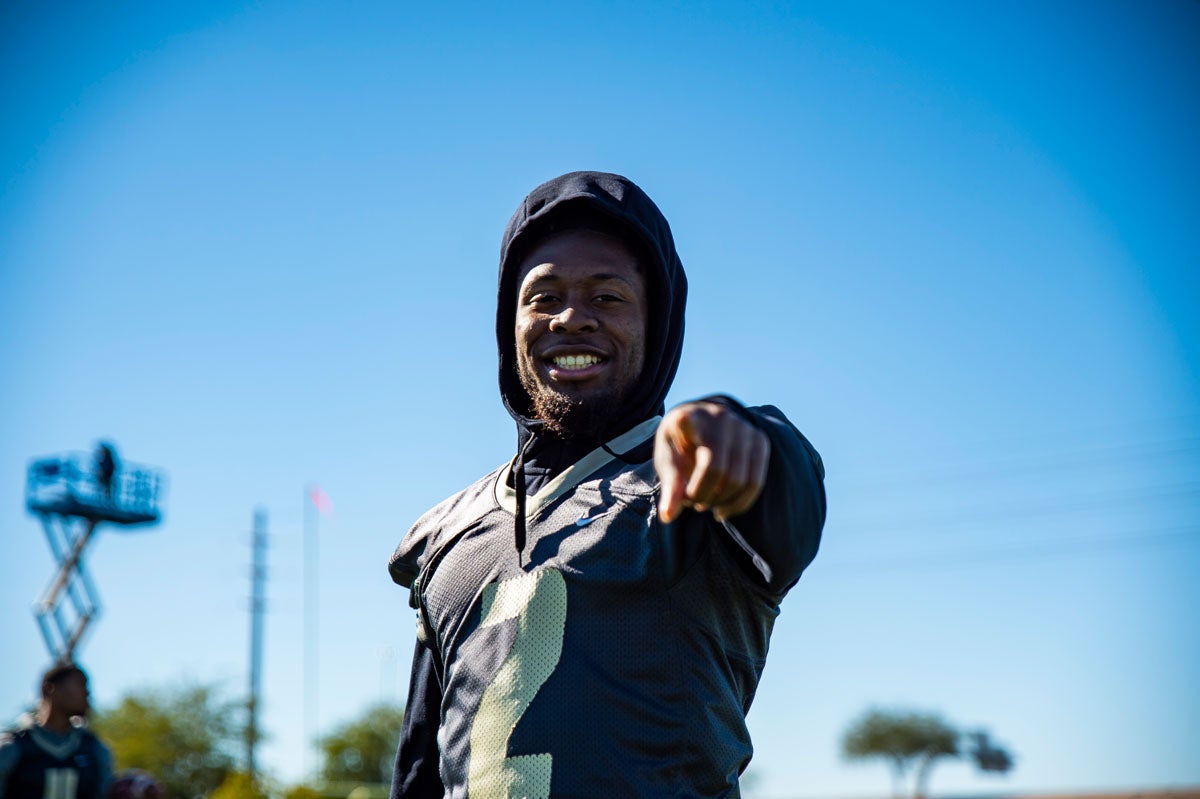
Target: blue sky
x=255, y=244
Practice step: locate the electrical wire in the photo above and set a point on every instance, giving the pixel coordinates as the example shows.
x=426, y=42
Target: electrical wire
x=1023, y=551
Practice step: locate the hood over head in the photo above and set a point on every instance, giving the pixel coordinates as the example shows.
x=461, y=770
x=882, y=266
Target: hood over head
x=611, y=204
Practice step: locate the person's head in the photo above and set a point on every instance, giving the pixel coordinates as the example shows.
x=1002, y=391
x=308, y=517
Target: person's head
x=65, y=690
x=590, y=317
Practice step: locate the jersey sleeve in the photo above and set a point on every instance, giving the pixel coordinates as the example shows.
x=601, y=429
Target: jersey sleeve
x=416, y=773
x=409, y=557
x=783, y=528
x=404, y=565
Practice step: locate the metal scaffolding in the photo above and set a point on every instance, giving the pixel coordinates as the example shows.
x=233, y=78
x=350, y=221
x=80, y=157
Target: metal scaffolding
x=72, y=501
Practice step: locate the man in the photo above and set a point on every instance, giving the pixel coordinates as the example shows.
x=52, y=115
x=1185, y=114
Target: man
x=54, y=759
x=593, y=617
x=106, y=468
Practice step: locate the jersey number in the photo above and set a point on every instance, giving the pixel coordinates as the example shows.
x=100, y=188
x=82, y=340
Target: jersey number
x=538, y=601
x=61, y=783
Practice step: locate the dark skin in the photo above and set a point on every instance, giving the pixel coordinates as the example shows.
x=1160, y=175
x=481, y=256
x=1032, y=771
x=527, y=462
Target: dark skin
x=582, y=295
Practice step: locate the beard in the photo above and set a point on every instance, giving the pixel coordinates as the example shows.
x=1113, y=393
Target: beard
x=574, y=418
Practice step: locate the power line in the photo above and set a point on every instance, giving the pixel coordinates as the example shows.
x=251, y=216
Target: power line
x=1023, y=551
x=1022, y=465
x=1027, y=508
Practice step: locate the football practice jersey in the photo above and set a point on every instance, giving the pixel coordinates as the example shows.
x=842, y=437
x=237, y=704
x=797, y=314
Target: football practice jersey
x=582, y=648
x=49, y=766
x=615, y=656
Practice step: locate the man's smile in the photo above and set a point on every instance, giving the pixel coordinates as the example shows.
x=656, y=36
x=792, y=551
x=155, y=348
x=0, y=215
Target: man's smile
x=574, y=361
x=570, y=364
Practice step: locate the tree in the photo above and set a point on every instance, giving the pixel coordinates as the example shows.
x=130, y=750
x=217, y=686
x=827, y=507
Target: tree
x=988, y=756
x=184, y=737
x=364, y=750
x=905, y=739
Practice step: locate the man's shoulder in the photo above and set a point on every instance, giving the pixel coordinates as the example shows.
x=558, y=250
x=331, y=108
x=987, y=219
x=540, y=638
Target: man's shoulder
x=452, y=513
x=17, y=732
x=92, y=737
x=36, y=737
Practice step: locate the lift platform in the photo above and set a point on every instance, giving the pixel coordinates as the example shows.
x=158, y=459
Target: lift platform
x=73, y=494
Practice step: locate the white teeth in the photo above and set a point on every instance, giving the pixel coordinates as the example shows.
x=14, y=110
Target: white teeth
x=575, y=361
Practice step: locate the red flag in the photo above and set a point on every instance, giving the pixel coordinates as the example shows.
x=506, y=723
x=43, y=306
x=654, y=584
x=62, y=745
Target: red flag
x=320, y=500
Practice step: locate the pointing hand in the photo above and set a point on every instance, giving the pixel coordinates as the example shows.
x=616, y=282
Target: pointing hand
x=709, y=459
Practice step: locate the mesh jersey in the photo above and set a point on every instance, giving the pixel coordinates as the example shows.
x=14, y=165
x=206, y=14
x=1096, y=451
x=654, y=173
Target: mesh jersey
x=615, y=657
x=52, y=769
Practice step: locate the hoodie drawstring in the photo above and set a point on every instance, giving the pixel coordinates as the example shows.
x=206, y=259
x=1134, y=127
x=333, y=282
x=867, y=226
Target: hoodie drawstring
x=519, y=487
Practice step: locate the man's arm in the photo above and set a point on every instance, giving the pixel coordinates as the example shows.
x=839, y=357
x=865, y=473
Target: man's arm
x=104, y=769
x=416, y=774
x=10, y=753
x=750, y=468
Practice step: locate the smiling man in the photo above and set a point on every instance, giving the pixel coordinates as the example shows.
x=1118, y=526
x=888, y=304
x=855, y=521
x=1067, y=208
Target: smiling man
x=593, y=617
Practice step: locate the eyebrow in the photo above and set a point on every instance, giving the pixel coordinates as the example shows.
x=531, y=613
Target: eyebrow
x=607, y=276
x=597, y=277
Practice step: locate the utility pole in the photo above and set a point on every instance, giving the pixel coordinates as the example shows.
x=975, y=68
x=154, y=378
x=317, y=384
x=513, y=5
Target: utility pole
x=258, y=576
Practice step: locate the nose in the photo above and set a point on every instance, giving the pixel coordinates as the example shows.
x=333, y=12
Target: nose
x=574, y=318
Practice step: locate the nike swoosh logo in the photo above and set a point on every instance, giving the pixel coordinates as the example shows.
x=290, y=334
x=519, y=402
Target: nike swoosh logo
x=584, y=521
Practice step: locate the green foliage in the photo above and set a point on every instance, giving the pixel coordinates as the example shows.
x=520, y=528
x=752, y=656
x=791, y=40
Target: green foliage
x=903, y=738
x=301, y=792
x=183, y=736
x=237, y=785
x=899, y=735
x=364, y=750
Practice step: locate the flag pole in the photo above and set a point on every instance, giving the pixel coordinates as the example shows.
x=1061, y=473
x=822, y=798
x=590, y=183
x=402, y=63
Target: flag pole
x=311, y=629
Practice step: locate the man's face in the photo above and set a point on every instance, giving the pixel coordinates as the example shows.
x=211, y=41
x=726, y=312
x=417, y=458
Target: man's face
x=70, y=695
x=581, y=329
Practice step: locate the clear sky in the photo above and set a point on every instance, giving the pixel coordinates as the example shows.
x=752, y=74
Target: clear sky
x=957, y=243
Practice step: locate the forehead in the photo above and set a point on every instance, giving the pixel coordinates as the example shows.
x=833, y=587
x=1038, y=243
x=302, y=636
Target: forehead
x=580, y=253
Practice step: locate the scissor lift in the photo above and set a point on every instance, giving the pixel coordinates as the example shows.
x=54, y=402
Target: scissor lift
x=72, y=499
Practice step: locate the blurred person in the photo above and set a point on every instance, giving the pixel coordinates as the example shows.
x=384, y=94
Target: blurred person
x=56, y=757
x=106, y=468
x=593, y=617
x=134, y=783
